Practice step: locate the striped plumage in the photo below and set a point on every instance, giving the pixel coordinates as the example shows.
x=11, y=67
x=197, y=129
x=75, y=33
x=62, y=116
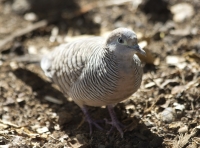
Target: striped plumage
x=97, y=71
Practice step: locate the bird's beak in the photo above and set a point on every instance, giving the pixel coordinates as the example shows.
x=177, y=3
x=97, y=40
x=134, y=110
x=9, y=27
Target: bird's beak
x=139, y=49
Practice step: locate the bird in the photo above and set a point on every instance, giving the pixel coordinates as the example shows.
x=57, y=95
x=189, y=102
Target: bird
x=97, y=71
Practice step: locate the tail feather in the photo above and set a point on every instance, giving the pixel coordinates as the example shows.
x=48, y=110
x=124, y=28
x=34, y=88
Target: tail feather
x=45, y=64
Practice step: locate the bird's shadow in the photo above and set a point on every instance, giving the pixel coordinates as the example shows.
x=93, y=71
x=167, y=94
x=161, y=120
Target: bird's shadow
x=157, y=10
x=66, y=15
x=43, y=89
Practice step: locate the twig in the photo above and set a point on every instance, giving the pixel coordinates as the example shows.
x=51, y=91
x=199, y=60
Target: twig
x=147, y=110
x=22, y=32
x=9, y=124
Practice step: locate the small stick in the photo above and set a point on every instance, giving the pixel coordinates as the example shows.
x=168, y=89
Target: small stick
x=9, y=124
x=22, y=32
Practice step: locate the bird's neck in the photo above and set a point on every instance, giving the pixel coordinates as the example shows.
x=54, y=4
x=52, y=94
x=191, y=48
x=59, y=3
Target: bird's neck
x=119, y=56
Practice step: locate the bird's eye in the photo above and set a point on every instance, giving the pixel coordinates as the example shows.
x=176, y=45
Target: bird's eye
x=120, y=40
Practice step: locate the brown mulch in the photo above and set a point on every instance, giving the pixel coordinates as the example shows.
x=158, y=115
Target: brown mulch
x=164, y=112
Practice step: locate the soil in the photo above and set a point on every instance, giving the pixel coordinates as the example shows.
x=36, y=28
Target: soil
x=164, y=112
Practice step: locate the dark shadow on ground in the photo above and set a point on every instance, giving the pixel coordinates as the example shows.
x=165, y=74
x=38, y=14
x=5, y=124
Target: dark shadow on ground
x=44, y=88
x=63, y=13
x=158, y=10
x=38, y=85
x=150, y=68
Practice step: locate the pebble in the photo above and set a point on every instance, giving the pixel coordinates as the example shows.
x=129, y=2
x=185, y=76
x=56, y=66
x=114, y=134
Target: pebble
x=168, y=115
x=42, y=130
x=183, y=129
x=31, y=17
x=182, y=12
x=21, y=6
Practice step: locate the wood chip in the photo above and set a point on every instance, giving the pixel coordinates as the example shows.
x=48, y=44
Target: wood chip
x=42, y=130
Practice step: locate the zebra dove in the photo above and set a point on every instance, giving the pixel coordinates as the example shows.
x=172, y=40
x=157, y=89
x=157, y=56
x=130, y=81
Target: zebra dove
x=97, y=71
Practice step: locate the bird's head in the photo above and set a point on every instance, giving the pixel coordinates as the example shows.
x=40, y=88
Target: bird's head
x=124, y=41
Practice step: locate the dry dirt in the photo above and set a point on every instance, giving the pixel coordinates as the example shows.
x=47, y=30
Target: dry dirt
x=165, y=112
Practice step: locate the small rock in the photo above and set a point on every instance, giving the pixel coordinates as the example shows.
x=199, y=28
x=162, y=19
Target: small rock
x=3, y=126
x=168, y=115
x=20, y=100
x=183, y=129
x=13, y=65
x=57, y=127
x=97, y=19
x=54, y=34
x=9, y=101
x=182, y=12
x=21, y=6
x=42, y=130
x=174, y=60
x=148, y=123
x=136, y=3
x=4, y=146
x=178, y=106
x=30, y=17
x=63, y=138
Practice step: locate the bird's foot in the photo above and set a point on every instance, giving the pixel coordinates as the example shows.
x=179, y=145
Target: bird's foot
x=115, y=124
x=90, y=121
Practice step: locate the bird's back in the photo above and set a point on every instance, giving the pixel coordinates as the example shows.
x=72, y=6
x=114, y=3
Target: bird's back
x=66, y=62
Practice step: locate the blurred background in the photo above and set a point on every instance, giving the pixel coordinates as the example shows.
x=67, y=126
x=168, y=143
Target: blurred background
x=165, y=112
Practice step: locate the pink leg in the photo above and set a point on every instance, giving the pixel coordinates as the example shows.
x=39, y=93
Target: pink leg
x=90, y=120
x=115, y=122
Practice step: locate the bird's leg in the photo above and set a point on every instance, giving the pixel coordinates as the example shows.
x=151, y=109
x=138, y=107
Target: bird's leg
x=115, y=122
x=90, y=120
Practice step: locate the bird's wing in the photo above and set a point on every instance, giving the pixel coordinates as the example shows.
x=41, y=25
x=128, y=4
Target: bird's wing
x=64, y=65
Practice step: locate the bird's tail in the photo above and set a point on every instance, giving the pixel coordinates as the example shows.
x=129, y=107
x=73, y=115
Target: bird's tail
x=45, y=64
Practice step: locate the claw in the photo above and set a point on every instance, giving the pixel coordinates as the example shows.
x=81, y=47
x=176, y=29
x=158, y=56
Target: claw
x=90, y=121
x=115, y=122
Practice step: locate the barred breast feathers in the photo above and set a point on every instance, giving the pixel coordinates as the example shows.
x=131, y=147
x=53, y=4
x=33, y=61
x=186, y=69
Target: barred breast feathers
x=65, y=64
x=99, y=79
x=138, y=71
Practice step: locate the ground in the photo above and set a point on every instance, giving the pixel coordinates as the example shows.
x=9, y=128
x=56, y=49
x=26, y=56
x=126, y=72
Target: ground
x=164, y=112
